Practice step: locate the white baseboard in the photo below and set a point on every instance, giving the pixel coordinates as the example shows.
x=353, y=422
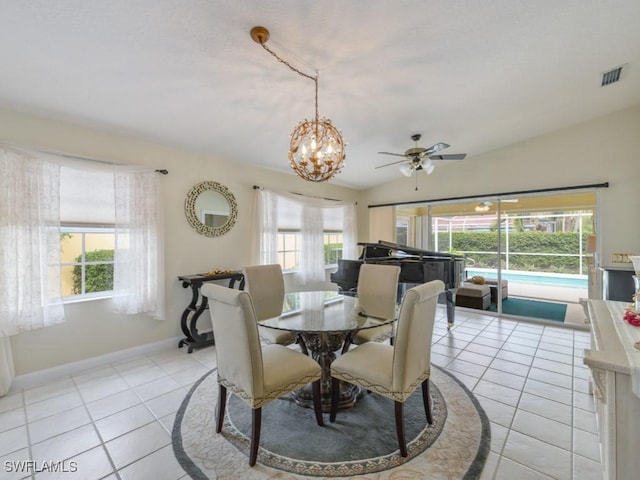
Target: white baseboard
x=40, y=377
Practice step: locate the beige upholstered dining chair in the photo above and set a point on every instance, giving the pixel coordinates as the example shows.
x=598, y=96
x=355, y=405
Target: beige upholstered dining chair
x=395, y=371
x=265, y=284
x=377, y=293
x=256, y=374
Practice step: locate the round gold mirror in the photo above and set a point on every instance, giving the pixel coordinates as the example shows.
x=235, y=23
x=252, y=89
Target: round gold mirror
x=211, y=209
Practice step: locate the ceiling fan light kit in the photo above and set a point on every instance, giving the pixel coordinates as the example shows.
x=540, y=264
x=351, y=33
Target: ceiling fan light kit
x=317, y=149
x=483, y=207
x=407, y=170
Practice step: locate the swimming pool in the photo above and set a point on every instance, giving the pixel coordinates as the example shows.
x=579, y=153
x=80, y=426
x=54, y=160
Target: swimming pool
x=541, y=278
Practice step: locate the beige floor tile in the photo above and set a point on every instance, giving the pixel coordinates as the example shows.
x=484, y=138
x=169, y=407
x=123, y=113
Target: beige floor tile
x=123, y=422
x=138, y=443
x=59, y=423
x=66, y=445
x=544, y=407
x=510, y=470
x=538, y=455
x=586, y=469
x=112, y=404
x=544, y=429
x=160, y=465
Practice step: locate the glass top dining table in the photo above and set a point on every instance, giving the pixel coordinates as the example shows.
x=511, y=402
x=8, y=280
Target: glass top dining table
x=323, y=323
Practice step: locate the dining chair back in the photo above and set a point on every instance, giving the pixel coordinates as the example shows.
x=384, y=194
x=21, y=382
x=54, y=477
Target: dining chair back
x=413, y=336
x=395, y=371
x=378, y=289
x=254, y=373
x=265, y=284
x=377, y=297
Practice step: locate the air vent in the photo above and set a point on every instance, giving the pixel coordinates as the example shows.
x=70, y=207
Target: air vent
x=612, y=76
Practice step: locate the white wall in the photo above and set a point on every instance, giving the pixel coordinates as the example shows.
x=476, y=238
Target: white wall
x=606, y=149
x=91, y=328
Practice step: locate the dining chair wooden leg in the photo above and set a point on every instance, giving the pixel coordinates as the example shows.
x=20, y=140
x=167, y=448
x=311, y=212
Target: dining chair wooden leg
x=222, y=403
x=335, y=392
x=400, y=428
x=317, y=402
x=302, y=344
x=255, y=435
x=426, y=400
x=347, y=343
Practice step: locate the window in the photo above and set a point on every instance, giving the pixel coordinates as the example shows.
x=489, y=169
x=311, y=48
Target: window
x=332, y=247
x=87, y=240
x=290, y=246
x=404, y=233
x=90, y=225
x=304, y=234
x=87, y=261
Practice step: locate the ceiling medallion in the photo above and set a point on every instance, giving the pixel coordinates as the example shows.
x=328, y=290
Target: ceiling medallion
x=317, y=149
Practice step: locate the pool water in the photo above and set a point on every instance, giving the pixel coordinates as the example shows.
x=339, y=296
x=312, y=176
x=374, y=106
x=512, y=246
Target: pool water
x=541, y=278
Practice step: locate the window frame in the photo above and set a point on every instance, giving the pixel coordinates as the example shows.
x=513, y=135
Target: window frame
x=326, y=234
x=83, y=230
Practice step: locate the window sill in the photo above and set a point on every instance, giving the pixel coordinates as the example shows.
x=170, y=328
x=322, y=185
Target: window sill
x=87, y=298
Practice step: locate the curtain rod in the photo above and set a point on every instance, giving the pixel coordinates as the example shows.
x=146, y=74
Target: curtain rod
x=503, y=194
x=258, y=187
x=26, y=149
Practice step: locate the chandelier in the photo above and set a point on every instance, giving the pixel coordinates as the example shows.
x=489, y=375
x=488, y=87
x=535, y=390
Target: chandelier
x=316, y=151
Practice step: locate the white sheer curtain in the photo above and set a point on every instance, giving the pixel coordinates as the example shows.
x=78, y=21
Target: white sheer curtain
x=311, y=217
x=30, y=237
x=138, y=283
x=31, y=295
x=266, y=228
x=349, y=231
x=312, y=254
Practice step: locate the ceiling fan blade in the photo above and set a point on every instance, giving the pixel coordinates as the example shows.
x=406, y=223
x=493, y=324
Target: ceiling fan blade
x=455, y=156
x=436, y=148
x=392, y=163
x=394, y=154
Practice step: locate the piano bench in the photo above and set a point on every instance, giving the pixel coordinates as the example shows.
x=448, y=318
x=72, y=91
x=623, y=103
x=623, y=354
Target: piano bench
x=473, y=296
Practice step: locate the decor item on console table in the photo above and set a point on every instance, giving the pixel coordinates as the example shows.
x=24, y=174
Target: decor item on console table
x=198, y=304
x=614, y=362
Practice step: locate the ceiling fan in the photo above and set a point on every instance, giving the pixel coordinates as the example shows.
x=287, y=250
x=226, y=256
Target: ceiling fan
x=486, y=205
x=418, y=158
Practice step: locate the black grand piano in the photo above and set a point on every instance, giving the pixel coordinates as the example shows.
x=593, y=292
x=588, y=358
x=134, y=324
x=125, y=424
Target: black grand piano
x=416, y=266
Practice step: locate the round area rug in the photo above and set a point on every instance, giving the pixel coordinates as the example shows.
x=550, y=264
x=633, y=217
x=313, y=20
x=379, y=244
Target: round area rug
x=362, y=441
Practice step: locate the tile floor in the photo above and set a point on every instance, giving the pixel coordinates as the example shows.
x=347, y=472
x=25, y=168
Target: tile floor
x=115, y=421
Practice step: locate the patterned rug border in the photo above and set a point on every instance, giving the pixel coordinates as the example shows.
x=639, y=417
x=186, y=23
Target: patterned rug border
x=348, y=468
x=473, y=472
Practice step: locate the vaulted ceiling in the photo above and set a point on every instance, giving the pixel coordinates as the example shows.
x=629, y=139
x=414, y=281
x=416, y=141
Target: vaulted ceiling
x=476, y=75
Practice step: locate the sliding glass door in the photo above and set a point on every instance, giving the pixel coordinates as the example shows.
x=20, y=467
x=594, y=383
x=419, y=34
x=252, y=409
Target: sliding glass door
x=536, y=248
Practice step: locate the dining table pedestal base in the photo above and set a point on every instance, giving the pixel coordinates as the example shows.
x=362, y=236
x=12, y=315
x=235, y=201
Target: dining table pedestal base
x=322, y=346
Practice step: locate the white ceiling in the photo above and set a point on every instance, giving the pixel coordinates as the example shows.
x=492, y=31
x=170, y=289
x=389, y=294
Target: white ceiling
x=477, y=75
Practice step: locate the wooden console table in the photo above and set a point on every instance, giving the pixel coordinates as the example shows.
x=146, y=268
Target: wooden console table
x=617, y=408
x=198, y=304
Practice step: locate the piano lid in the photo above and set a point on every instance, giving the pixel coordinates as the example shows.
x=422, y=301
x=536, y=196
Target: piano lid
x=390, y=249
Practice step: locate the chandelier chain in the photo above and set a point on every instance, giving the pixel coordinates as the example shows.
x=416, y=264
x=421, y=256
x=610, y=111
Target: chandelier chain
x=315, y=79
x=316, y=150
x=291, y=67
